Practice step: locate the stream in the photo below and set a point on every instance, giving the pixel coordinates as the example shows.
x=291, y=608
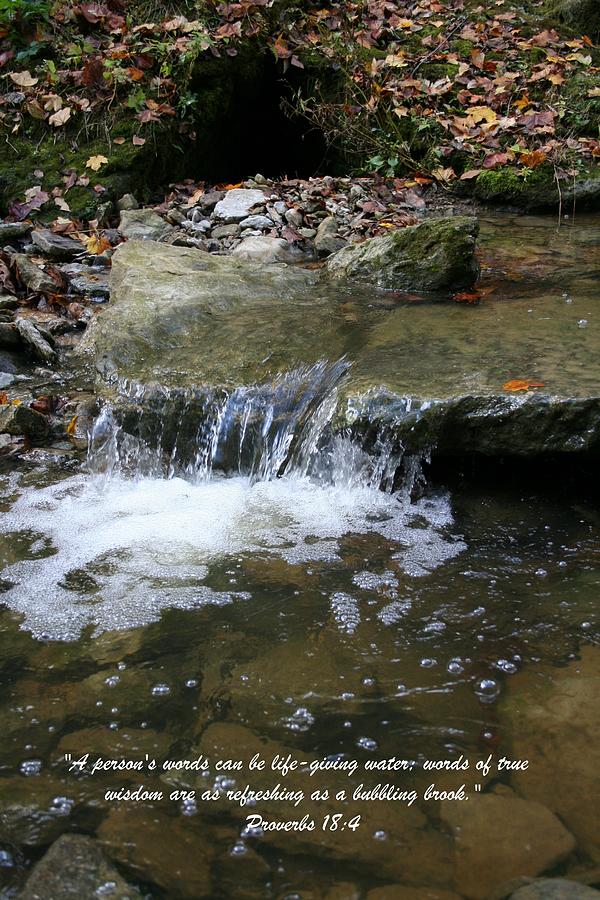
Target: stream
x=272, y=585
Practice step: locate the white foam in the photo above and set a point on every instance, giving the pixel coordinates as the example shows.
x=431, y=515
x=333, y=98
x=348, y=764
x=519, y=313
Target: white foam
x=147, y=543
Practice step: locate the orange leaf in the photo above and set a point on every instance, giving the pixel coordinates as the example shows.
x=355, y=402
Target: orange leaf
x=134, y=73
x=72, y=425
x=520, y=384
x=3, y=398
x=467, y=297
x=534, y=159
x=96, y=244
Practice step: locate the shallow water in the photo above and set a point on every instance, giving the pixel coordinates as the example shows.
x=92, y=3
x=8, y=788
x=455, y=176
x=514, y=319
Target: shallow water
x=312, y=614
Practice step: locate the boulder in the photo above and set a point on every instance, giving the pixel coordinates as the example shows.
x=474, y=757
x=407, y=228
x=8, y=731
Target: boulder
x=498, y=836
x=76, y=869
x=56, y=246
x=553, y=716
x=435, y=255
x=237, y=204
x=34, y=276
x=9, y=231
x=555, y=889
x=143, y=225
x=402, y=892
x=127, y=202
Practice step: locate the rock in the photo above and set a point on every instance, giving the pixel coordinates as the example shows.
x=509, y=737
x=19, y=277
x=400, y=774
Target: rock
x=260, y=222
x=127, y=202
x=554, y=717
x=6, y=379
x=223, y=231
x=21, y=420
x=267, y=249
x=556, y=889
x=76, y=869
x=402, y=892
x=33, y=276
x=90, y=281
x=11, y=230
x=437, y=254
x=327, y=240
x=294, y=217
x=7, y=302
x=56, y=246
x=9, y=337
x=135, y=837
x=35, y=342
x=143, y=225
x=237, y=204
x=343, y=890
x=583, y=15
x=208, y=201
x=499, y=836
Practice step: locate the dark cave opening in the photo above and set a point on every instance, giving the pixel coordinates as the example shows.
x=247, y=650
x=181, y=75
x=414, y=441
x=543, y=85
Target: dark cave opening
x=242, y=127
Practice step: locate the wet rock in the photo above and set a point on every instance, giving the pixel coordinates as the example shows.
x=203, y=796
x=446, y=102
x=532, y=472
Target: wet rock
x=7, y=302
x=343, y=890
x=209, y=200
x=90, y=281
x=554, y=718
x=143, y=225
x=294, y=217
x=403, y=892
x=11, y=230
x=29, y=817
x=9, y=337
x=21, y=420
x=499, y=836
x=267, y=249
x=127, y=202
x=238, y=204
x=33, y=276
x=327, y=240
x=437, y=254
x=76, y=869
x=35, y=342
x=555, y=889
x=6, y=379
x=136, y=838
x=56, y=246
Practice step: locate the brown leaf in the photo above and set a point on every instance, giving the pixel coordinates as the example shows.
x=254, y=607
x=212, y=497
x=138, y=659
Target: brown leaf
x=23, y=79
x=95, y=163
x=521, y=384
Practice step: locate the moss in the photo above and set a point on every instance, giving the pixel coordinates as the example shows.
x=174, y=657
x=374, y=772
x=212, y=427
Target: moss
x=508, y=185
x=462, y=48
x=436, y=71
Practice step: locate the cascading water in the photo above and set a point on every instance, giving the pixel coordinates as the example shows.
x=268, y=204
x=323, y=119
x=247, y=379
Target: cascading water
x=178, y=481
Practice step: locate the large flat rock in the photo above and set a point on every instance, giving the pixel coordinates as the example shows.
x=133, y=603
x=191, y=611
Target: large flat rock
x=431, y=373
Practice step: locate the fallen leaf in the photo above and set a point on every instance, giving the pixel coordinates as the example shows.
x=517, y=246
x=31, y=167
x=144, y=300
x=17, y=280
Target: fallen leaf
x=467, y=297
x=138, y=141
x=534, y=159
x=594, y=92
x=72, y=425
x=119, y=140
x=23, y=79
x=61, y=117
x=96, y=162
x=472, y=173
x=3, y=398
x=96, y=244
x=520, y=384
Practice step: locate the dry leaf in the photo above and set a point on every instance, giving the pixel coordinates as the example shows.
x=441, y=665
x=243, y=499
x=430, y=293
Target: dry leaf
x=96, y=162
x=138, y=141
x=23, y=79
x=119, y=140
x=95, y=244
x=61, y=117
x=520, y=384
x=72, y=425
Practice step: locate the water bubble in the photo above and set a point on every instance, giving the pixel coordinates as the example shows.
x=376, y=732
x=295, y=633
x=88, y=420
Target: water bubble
x=62, y=806
x=189, y=807
x=427, y=662
x=112, y=680
x=114, y=726
x=239, y=849
x=252, y=831
x=541, y=573
x=106, y=889
x=191, y=683
x=505, y=665
x=487, y=689
x=30, y=767
x=380, y=835
x=347, y=695
x=586, y=626
x=6, y=860
x=160, y=690
x=455, y=667
x=368, y=682
x=582, y=323
x=300, y=720
x=121, y=666
x=366, y=743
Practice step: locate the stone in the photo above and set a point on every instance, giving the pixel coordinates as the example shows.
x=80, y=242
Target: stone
x=223, y=231
x=11, y=230
x=7, y=302
x=35, y=342
x=403, y=892
x=90, y=281
x=556, y=889
x=127, y=202
x=434, y=255
x=9, y=337
x=6, y=379
x=34, y=276
x=179, y=865
x=583, y=15
x=237, y=204
x=267, y=249
x=209, y=200
x=56, y=246
x=143, y=225
x=260, y=222
x=498, y=836
x=294, y=217
x=327, y=240
x=553, y=717
x=21, y=420
x=75, y=868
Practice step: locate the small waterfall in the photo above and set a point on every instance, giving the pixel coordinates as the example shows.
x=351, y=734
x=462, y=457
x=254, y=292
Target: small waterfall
x=264, y=431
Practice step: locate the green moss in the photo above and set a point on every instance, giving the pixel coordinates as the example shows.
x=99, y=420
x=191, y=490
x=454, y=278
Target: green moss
x=510, y=185
x=437, y=71
x=462, y=48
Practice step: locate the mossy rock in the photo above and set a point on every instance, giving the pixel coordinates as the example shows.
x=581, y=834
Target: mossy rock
x=581, y=15
x=537, y=189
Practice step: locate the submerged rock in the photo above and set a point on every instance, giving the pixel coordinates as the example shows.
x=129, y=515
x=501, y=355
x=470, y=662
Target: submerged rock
x=437, y=254
x=266, y=249
x=35, y=342
x=555, y=889
x=76, y=869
